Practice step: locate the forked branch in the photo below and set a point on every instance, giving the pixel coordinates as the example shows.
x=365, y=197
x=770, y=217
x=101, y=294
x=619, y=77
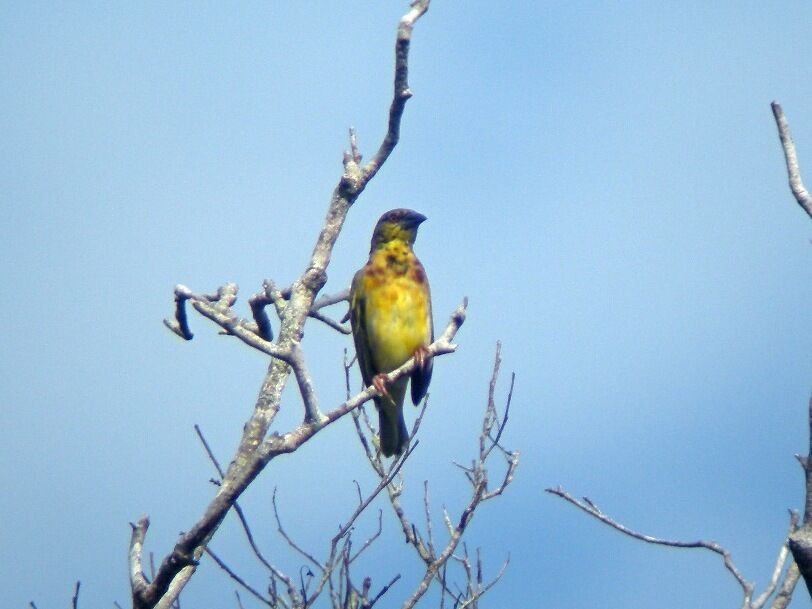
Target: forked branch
x=436, y=561
x=255, y=450
x=184, y=557
x=589, y=507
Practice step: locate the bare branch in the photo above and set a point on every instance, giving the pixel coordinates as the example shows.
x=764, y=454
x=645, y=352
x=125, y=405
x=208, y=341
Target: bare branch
x=784, y=595
x=256, y=450
x=138, y=581
x=338, y=327
x=276, y=444
x=370, y=540
x=208, y=450
x=180, y=325
x=305, y=382
x=315, y=311
x=402, y=93
x=427, y=511
x=796, y=185
x=275, y=573
x=807, y=518
x=383, y=591
x=233, y=485
x=590, y=508
x=253, y=591
x=75, y=599
x=800, y=540
x=258, y=302
x=326, y=300
x=780, y=562
x=436, y=563
x=343, y=530
x=345, y=558
x=481, y=590
x=287, y=537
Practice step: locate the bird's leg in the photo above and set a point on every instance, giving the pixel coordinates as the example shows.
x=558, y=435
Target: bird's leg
x=379, y=382
x=420, y=357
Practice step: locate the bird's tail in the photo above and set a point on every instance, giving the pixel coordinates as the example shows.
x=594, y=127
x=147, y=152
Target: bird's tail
x=391, y=426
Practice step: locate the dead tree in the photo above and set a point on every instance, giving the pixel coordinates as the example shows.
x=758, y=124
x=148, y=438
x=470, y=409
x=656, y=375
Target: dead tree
x=458, y=575
x=260, y=444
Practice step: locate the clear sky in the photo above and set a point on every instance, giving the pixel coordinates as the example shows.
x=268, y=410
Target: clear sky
x=605, y=184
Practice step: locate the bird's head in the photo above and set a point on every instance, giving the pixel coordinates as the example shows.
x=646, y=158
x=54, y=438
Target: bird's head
x=397, y=224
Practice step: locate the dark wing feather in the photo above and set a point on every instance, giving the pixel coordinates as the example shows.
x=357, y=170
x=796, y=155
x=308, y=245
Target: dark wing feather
x=421, y=377
x=359, y=329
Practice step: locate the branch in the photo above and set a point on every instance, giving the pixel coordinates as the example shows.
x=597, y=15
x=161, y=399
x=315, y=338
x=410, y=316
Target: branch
x=800, y=540
x=305, y=382
x=778, y=568
x=784, y=596
x=255, y=451
x=323, y=301
x=435, y=564
x=138, y=580
x=258, y=302
x=218, y=309
x=590, y=508
x=796, y=185
x=75, y=599
x=181, y=562
x=239, y=580
x=275, y=573
x=357, y=180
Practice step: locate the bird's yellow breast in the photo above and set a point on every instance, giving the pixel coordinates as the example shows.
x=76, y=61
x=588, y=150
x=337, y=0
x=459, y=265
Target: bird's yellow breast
x=397, y=307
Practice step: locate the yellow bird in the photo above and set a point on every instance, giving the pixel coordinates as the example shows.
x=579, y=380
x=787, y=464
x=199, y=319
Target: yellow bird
x=390, y=313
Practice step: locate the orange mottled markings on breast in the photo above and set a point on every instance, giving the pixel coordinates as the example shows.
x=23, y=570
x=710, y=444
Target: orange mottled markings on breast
x=418, y=275
x=396, y=310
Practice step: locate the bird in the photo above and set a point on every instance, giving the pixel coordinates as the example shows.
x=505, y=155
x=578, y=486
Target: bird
x=390, y=316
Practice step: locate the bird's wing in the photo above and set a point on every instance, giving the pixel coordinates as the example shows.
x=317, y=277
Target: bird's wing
x=359, y=328
x=421, y=377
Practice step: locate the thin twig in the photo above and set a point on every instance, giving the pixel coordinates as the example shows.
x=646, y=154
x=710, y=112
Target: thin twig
x=305, y=382
x=383, y=591
x=590, y=508
x=326, y=300
x=436, y=564
x=370, y=540
x=381, y=485
x=338, y=327
x=254, y=592
x=275, y=573
x=75, y=599
x=281, y=530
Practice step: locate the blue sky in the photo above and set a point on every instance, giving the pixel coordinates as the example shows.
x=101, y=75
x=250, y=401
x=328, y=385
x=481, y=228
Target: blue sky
x=605, y=184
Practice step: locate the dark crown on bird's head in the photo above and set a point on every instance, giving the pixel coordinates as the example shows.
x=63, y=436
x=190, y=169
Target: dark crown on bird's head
x=397, y=224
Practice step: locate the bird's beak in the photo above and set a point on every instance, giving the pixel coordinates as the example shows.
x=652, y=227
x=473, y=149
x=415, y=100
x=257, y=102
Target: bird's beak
x=416, y=218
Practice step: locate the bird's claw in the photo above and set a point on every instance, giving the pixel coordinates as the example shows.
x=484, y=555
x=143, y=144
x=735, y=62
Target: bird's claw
x=420, y=357
x=379, y=382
